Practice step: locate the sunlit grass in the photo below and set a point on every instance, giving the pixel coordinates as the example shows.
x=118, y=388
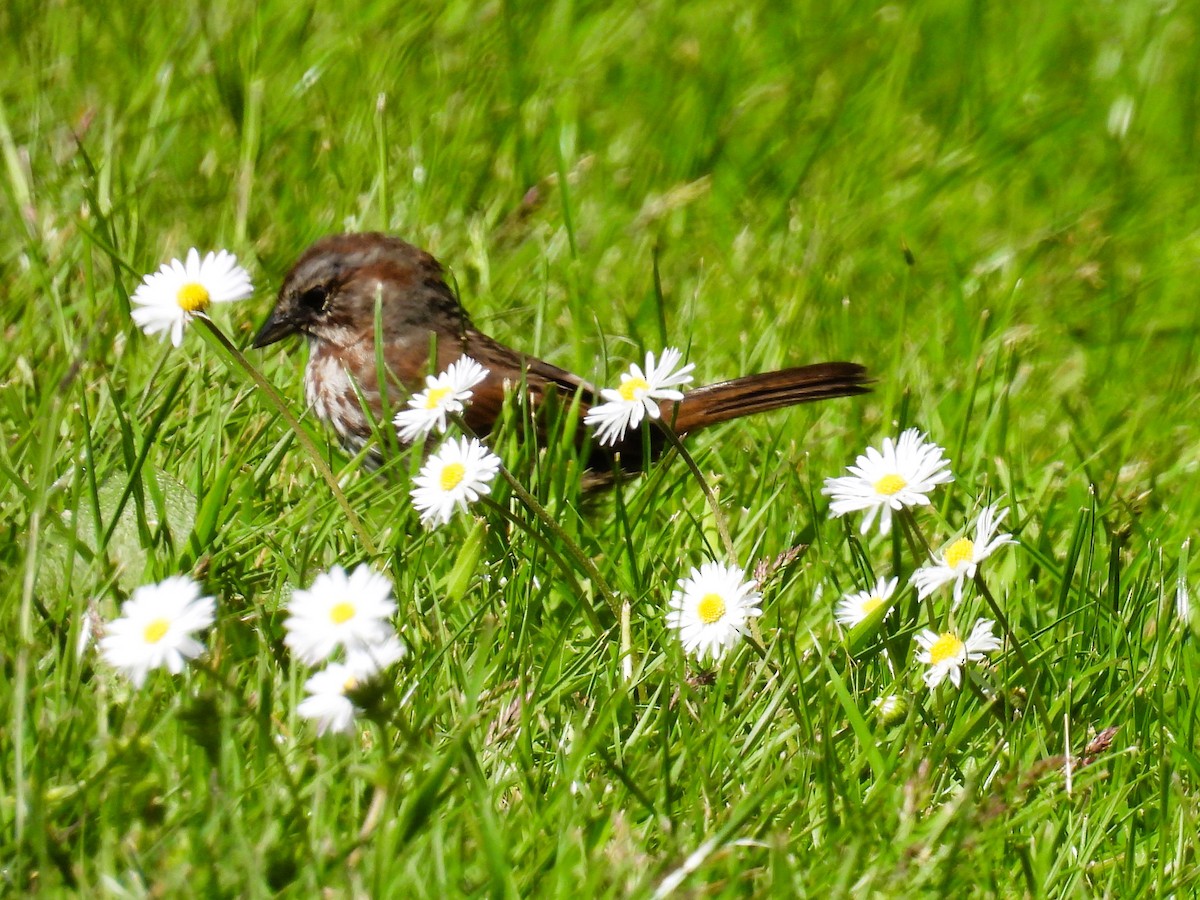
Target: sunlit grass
x=995, y=210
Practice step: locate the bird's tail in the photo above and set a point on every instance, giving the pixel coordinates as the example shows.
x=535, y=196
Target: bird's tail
x=716, y=403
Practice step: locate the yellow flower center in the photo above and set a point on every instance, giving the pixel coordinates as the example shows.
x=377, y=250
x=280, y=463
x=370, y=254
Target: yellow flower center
x=871, y=604
x=629, y=388
x=193, y=297
x=890, y=484
x=452, y=476
x=349, y=684
x=435, y=396
x=961, y=551
x=710, y=608
x=948, y=646
x=155, y=631
x=342, y=612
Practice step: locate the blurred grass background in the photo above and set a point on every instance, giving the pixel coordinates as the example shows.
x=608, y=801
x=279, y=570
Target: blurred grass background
x=993, y=207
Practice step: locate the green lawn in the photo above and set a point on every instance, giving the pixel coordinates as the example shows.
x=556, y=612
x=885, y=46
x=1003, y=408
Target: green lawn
x=994, y=207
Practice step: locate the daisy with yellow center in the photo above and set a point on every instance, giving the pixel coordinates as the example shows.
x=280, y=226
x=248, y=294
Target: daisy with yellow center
x=900, y=475
x=945, y=654
x=339, y=610
x=638, y=395
x=156, y=628
x=960, y=559
x=711, y=609
x=166, y=301
x=457, y=475
x=331, y=691
x=327, y=703
x=193, y=297
x=444, y=394
x=853, y=608
x=633, y=388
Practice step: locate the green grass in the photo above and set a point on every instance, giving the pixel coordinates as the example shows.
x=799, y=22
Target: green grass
x=775, y=162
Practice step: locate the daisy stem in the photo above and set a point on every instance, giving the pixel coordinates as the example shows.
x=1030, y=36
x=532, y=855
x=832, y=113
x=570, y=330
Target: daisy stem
x=118, y=759
x=549, y=547
x=158, y=367
x=722, y=525
x=375, y=813
x=787, y=694
x=542, y=514
x=908, y=526
x=907, y=516
x=227, y=685
x=210, y=329
x=1035, y=698
x=989, y=702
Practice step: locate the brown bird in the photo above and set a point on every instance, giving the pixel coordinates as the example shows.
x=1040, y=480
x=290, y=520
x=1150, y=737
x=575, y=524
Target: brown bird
x=330, y=296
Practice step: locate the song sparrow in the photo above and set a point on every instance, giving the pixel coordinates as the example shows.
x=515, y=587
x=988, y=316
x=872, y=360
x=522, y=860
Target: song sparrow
x=330, y=296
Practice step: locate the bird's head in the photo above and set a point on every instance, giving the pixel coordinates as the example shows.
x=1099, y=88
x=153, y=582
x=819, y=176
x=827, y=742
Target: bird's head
x=332, y=292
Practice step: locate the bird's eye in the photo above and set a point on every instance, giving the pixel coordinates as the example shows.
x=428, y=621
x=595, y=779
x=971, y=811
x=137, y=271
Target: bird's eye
x=315, y=299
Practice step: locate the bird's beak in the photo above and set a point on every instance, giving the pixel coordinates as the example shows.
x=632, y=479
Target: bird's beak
x=276, y=328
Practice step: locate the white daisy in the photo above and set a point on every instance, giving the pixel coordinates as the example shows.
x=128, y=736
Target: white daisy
x=339, y=610
x=711, y=608
x=458, y=474
x=899, y=476
x=443, y=394
x=156, y=628
x=167, y=300
x=946, y=653
x=638, y=395
x=853, y=608
x=329, y=702
x=960, y=559
x=368, y=659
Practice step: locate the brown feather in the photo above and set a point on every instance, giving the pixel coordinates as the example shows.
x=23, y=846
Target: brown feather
x=713, y=404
